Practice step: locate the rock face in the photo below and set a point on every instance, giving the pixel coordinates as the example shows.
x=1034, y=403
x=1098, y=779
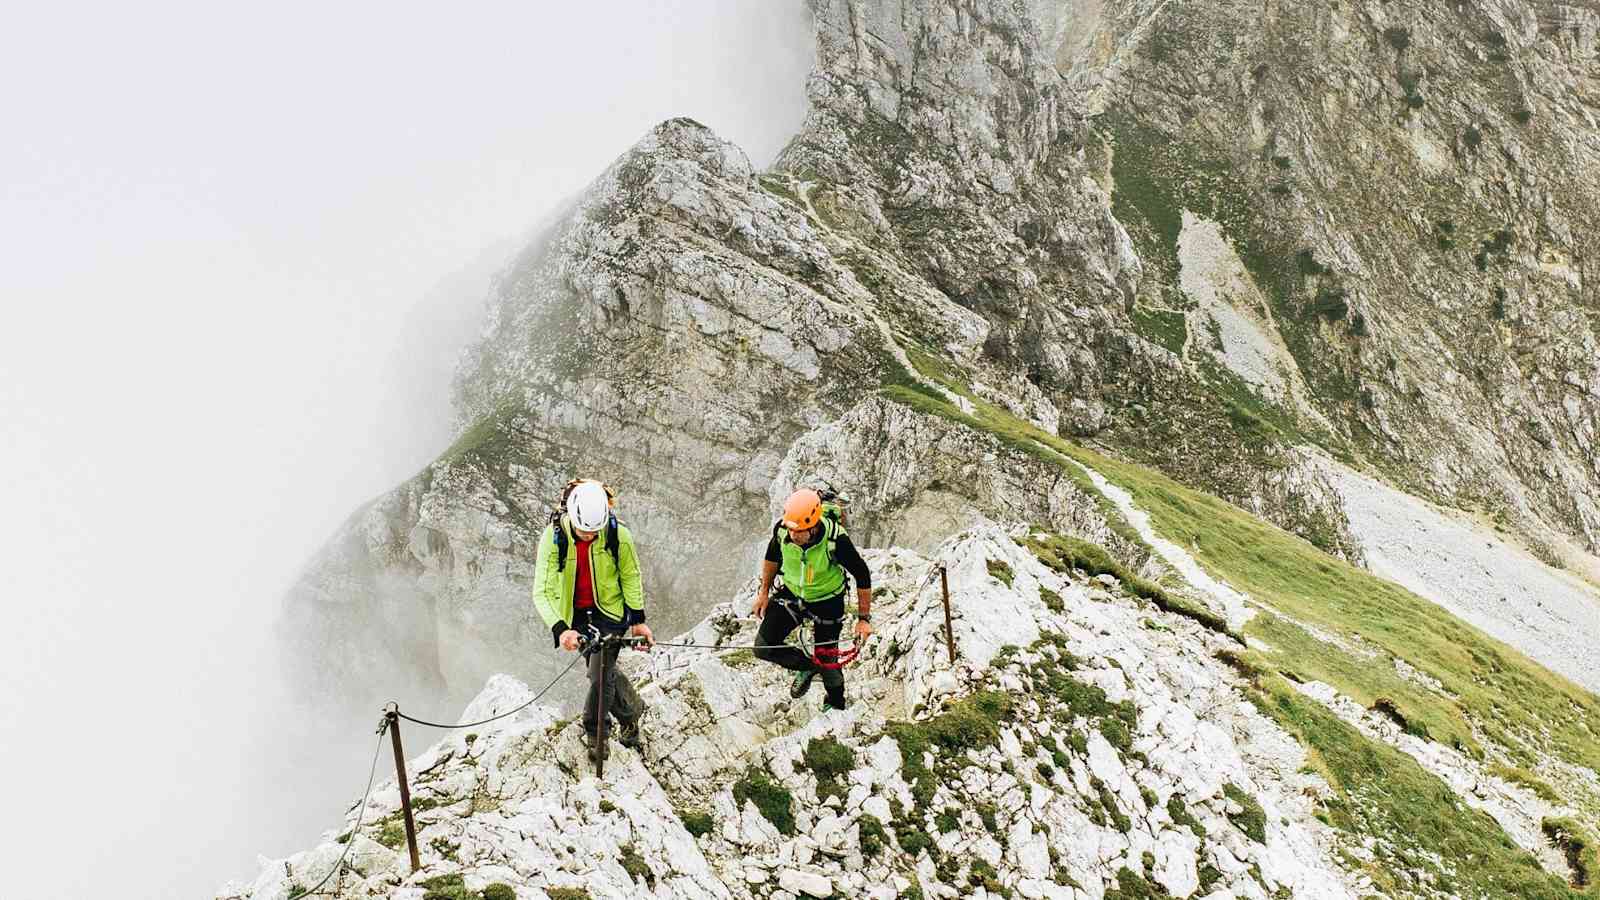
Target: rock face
x=1071, y=750
x=1202, y=234
x=1413, y=198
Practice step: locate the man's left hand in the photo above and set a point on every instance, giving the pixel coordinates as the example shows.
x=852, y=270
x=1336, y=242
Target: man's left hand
x=643, y=630
x=863, y=630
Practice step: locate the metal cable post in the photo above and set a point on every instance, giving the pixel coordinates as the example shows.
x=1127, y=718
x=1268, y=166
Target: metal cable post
x=949, y=634
x=393, y=718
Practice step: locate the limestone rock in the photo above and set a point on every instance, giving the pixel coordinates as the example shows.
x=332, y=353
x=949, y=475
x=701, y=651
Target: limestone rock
x=809, y=884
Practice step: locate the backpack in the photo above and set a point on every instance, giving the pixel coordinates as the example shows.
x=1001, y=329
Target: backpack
x=611, y=541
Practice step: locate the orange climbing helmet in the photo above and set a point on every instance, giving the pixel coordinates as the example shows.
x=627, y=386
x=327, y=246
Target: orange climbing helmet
x=802, y=510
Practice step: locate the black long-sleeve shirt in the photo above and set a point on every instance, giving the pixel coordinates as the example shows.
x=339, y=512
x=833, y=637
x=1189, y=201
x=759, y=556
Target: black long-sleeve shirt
x=844, y=553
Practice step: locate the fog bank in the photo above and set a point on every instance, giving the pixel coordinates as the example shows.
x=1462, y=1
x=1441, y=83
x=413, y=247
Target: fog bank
x=240, y=240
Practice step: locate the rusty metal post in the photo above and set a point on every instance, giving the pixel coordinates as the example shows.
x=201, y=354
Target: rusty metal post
x=405, y=789
x=601, y=732
x=949, y=634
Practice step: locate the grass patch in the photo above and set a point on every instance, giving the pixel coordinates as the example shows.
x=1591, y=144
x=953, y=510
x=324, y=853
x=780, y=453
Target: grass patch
x=1179, y=811
x=564, y=893
x=1000, y=570
x=1575, y=844
x=1052, y=600
x=983, y=875
x=990, y=818
x=1421, y=826
x=391, y=834
x=828, y=760
x=1166, y=328
x=1134, y=886
x=1254, y=418
x=1521, y=776
x=779, y=187
x=636, y=867
x=938, y=368
x=1072, y=699
x=873, y=837
x=446, y=848
x=1065, y=553
x=738, y=659
x=772, y=799
x=697, y=822
x=1251, y=819
x=1108, y=805
x=968, y=724
x=1517, y=703
x=912, y=837
x=448, y=887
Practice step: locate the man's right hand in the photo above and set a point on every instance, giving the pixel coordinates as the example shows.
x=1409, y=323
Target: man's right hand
x=569, y=640
x=760, y=609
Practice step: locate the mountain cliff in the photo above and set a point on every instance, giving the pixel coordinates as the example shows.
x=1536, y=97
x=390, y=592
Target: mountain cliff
x=1308, y=289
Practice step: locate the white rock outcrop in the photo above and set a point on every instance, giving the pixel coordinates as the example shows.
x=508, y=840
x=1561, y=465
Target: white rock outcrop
x=1070, y=748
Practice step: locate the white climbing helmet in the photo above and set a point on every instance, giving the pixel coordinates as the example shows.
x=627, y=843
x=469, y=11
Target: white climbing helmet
x=588, y=506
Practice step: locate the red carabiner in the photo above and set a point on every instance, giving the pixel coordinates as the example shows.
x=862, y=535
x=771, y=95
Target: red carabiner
x=835, y=658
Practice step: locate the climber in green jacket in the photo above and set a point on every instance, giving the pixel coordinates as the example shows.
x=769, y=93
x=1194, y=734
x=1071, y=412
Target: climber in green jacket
x=586, y=581
x=810, y=548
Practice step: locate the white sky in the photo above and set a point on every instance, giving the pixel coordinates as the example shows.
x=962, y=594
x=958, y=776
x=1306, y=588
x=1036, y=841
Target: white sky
x=216, y=220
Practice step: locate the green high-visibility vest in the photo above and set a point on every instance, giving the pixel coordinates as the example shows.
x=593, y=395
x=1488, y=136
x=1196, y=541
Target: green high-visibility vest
x=811, y=572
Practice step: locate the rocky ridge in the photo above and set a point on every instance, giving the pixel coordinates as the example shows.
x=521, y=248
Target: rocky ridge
x=1084, y=743
x=1070, y=664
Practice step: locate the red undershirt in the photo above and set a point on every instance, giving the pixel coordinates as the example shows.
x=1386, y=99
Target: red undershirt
x=583, y=587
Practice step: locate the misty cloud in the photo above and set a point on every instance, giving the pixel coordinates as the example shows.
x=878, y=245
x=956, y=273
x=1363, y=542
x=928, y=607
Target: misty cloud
x=241, y=241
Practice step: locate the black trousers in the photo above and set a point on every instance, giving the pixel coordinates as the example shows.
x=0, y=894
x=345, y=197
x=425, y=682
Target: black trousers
x=778, y=622
x=622, y=701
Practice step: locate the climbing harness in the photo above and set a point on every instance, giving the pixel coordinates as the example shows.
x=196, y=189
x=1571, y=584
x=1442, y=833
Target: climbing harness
x=824, y=654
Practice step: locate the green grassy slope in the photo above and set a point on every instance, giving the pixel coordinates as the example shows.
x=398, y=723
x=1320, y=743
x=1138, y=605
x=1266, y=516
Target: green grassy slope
x=1496, y=704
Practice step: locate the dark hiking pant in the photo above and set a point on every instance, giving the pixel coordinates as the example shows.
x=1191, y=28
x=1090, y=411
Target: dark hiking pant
x=622, y=701
x=779, y=621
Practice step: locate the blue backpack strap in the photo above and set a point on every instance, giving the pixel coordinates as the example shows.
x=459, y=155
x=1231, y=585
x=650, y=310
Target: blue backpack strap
x=561, y=541
x=614, y=547
x=613, y=543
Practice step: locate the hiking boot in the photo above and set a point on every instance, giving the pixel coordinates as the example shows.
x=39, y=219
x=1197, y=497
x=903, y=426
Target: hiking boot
x=802, y=683
x=628, y=734
x=596, y=752
x=830, y=703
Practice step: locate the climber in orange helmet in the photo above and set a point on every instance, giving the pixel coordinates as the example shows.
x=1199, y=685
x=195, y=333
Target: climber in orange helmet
x=814, y=555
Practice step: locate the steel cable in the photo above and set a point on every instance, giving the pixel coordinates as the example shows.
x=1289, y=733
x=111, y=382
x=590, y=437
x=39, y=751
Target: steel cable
x=372, y=773
x=535, y=699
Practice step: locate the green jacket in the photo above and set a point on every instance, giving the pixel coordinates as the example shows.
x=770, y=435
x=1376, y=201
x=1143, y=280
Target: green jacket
x=811, y=573
x=620, y=598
